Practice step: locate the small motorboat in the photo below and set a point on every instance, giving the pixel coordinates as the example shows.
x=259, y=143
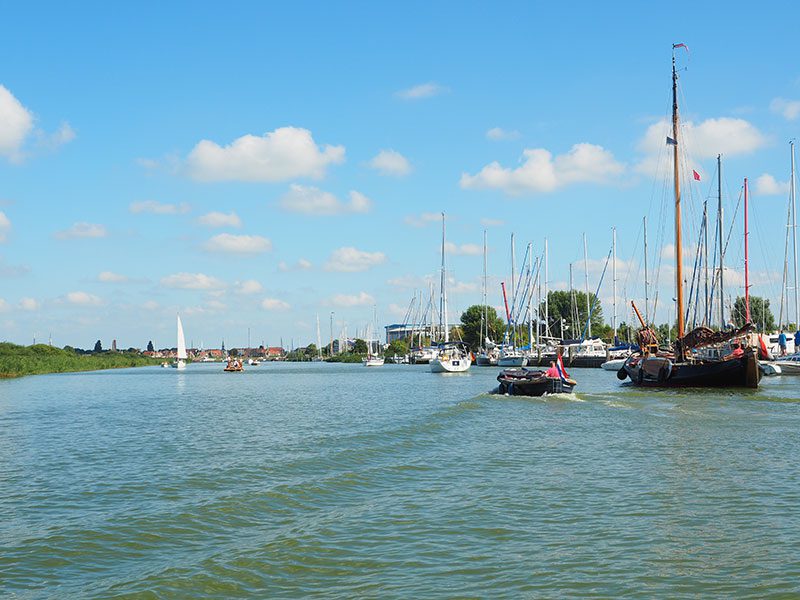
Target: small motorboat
x=530, y=382
x=253, y=362
x=234, y=366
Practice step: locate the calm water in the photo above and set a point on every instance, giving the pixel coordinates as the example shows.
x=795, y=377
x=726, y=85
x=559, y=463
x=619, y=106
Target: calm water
x=340, y=481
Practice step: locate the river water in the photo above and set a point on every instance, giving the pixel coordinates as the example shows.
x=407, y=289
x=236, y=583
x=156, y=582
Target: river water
x=337, y=481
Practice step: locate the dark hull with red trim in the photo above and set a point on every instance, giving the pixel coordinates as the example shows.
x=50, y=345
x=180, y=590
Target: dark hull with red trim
x=662, y=372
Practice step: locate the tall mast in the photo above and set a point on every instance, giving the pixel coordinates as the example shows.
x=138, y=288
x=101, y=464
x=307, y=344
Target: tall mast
x=538, y=297
x=721, y=245
x=748, y=319
x=319, y=340
x=646, y=282
x=443, y=307
x=614, y=276
x=546, y=292
x=586, y=282
x=530, y=296
x=676, y=171
x=485, y=323
x=707, y=312
x=571, y=302
x=794, y=243
x=513, y=288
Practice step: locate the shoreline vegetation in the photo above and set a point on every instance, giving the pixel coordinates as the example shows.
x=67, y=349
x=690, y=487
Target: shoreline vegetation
x=40, y=359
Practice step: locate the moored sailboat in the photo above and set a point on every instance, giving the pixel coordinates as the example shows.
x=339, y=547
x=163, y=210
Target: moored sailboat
x=690, y=363
x=451, y=356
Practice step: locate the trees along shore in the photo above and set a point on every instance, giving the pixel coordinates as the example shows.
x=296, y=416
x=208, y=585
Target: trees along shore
x=18, y=361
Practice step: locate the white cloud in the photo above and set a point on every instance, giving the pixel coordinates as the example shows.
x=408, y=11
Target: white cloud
x=5, y=226
x=496, y=134
x=82, y=230
x=29, y=304
x=702, y=140
x=460, y=287
x=150, y=305
x=423, y=219
x=349, y=259
x=110, y=277
x=238, y=244
x=158, y=208
x=463, y=249
x=423, y=90
x=789, y=109
x=541, y=172
x=191, y=281
x=63, y=135
x=310, y=200
x=274, y=304
x=219, y=219
x=249, y=286
x=286, y=153
x=492, y=222
x=411, y=281
x=83, y=299
x=390, y=162
x=4, y=306
x=346, y=301
x=216, y=305
x=16, y=123
x=301, y=265
x=397, y=310
x=767, y=185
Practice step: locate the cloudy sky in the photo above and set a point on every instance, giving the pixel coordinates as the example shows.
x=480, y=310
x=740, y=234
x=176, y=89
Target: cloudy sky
x=252, y=166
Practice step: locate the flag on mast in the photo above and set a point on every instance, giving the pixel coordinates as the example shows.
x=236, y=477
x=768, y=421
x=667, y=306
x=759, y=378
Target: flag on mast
x=696, y=175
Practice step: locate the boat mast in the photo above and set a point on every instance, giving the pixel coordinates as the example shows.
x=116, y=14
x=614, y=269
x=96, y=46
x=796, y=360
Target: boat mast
x=319, y=340
x=707, y=312
x=538, y=287
x=721, y=245
x=646, y=282
x=530, y=296
x=586, y=282
x=614, y=277
x=513, y=290
x=485, y=322
x=794, y=243
x=572, y=308
x=546, y=293
x=748, y=318
x=443, y=295
x=676, y=172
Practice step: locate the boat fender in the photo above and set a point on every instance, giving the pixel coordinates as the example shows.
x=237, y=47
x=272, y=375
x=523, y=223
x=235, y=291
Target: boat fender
x=663, y=373
x=510, y=389
x=641, y=374
x=622, y=374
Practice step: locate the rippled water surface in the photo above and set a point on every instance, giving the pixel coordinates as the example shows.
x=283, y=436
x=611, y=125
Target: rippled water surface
x=299, y=480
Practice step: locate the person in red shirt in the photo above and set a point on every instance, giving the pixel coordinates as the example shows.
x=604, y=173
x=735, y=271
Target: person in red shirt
x=552, y=371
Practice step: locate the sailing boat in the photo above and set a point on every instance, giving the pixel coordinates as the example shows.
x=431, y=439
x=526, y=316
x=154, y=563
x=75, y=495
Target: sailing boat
x=180, y=363
x=688, y=365
x=451, y=357
x=372, y=359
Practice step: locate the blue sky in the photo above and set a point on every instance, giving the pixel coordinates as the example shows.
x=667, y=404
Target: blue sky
x=254, y=165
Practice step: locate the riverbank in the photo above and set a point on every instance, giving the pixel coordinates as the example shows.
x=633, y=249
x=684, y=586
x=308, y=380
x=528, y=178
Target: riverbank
x=19, y=361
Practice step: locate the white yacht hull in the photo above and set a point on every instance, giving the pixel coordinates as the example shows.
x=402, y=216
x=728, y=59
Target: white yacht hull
x=450, y=365
x=374, y=362
x=180, y=364
x=614, y=364
x=512, y=361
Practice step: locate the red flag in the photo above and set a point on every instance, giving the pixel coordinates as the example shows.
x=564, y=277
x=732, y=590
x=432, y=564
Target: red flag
x=674, y=46
x=696, y=175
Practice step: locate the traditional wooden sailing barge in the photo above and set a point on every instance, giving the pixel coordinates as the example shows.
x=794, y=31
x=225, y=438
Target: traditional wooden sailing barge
x=689, y=363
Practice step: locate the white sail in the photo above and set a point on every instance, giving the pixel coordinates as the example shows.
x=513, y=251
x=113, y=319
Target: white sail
x=181, y=341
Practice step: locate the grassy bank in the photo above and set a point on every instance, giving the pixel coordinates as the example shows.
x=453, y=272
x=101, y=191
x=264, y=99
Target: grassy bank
x=17, y=361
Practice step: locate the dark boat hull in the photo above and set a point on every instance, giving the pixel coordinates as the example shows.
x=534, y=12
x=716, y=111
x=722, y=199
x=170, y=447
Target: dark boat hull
x=662, y=372
x=521, y=382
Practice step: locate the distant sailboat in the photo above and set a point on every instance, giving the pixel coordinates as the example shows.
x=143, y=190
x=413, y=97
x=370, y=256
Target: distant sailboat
x=451, y=357
x=180, y=363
